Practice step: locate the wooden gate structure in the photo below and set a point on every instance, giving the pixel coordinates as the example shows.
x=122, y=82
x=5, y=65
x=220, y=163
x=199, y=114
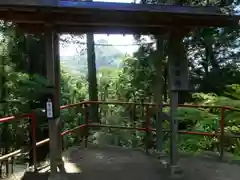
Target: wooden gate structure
x=52, y=17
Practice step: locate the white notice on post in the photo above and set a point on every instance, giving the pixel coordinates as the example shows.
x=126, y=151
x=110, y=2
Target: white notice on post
x=49, y=109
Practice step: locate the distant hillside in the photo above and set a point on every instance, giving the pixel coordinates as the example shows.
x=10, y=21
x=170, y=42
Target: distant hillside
x=106, y=56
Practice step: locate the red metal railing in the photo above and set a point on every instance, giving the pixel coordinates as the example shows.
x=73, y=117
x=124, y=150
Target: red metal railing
x=7, y=157
x=147, y=129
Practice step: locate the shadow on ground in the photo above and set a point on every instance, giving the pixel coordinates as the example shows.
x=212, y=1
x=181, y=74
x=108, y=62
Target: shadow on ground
x=106, y=163
x=114, y=163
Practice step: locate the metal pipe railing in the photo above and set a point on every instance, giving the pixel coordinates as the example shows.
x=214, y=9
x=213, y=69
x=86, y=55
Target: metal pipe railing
x=146, y=129
x=10, y=156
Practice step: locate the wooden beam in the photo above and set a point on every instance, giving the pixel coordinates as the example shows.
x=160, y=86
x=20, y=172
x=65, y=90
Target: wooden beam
x=30, y=2
x=111, y=6
x=39, y=29
x=117, y=15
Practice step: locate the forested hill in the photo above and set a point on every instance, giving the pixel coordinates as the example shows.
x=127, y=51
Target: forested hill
x=106, y=56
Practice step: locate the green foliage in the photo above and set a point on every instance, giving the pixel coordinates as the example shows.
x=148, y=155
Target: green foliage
x=108, y=84
x=106, y=57
x=198, y=120
x=213, y=55
x=135, y=79
x=73, y=89
x=232, y=119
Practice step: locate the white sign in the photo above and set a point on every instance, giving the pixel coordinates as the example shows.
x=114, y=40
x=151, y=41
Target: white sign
x=49, y=109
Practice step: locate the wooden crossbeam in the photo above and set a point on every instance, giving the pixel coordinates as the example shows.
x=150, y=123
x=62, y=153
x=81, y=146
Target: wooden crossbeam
x=111, y=6
x=119, y=17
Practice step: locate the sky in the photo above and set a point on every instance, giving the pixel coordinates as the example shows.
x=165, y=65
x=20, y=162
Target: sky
x=70, y=50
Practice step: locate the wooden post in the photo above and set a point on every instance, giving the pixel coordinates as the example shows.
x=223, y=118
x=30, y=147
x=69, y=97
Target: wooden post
x=53, y=76
x=222, y=123
x=92, y=79
x=58, y=101
x=86, y=120
x=34, y=141
x=158, y=62
x=174, y=128
x=178, y=81
x=147, y=128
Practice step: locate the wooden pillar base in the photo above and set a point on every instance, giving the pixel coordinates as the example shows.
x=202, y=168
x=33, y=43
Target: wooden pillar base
x=58, y=176
x=61, y=166
x=175, y=171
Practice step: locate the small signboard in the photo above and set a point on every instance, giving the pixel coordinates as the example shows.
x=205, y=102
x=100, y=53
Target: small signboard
x=49, y=108
x=178, y=65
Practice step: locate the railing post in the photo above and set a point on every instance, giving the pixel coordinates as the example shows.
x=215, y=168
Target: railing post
x=7, y=167
x=12, y=165
x=147, y=129
x=134, y=114
x=1, y=165
x=86, y=123
x=222, y=123
x=134, y=124
x=34, y=147
x=6, y=146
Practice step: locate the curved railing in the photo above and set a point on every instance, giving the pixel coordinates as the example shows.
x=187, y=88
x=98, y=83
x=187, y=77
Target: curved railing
x=9, y=158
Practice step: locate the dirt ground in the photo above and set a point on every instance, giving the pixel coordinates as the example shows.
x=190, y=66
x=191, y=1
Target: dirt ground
x=114, y=163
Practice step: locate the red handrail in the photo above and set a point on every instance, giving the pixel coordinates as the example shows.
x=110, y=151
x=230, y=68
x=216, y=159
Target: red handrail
x=32, y=118
x=147, y=129
x=12, y=118
x=9, y=118
x=163, y=105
